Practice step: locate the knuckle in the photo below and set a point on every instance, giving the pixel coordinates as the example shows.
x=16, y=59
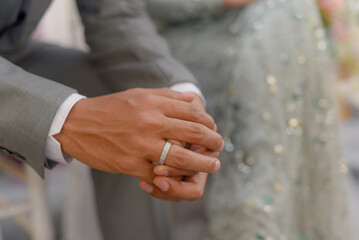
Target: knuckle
x=151, y=122
x=211, y=121
x=197, y=131
x=196, y=112
x=159, y=124
x=136, y=91
x=146, y=98
x=142, y=119
x=168, y=104
x=197, y=194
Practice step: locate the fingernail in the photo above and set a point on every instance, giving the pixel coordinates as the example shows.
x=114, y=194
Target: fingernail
x=222, y=145
x=164, y=173
x=215, y=127
x=163, y=186
x=218, y=166
x=147, y=187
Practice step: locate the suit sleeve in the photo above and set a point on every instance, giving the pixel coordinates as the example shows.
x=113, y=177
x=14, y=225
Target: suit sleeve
x=171, y=11
x=28, y=105
x=125, y=47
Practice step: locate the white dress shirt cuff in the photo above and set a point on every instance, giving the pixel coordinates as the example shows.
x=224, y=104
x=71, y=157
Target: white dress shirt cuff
x=188, y=87
x=53, y=147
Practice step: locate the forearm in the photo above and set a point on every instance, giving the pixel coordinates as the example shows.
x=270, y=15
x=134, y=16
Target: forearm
x=173, y=10
x=28, y=104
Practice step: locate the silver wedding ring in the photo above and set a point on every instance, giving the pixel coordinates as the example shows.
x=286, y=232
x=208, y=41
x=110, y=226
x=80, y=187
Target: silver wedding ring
x=165, y=151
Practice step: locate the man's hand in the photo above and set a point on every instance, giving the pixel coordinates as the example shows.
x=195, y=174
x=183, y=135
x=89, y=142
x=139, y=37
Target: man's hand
x=125, y=132
x=236, y=3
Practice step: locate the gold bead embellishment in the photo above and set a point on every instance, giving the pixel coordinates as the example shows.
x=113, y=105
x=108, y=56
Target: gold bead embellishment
x=293, y=122
x=278, y=149
x=232, y=90
x=277, y=186
x=250, y=203
x=271, y=80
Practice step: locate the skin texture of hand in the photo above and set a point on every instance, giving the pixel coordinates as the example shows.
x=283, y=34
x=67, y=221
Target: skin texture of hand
x=168, y=188
x=236, y=3
x=177, y=184
x=125, y=132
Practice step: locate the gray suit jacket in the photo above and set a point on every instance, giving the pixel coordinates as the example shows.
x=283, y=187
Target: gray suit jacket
x=125, y=49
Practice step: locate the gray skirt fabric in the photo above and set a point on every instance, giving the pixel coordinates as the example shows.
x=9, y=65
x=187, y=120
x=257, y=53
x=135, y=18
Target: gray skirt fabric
x=268, y=79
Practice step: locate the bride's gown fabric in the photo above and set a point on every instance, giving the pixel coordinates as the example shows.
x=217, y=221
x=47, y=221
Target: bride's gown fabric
x=268, y=79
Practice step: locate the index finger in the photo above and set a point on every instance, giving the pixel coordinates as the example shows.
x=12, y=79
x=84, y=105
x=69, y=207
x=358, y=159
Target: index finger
x=187, y=190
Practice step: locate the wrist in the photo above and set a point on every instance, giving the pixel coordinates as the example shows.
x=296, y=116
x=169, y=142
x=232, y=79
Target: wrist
x=64, y=136
x=53, y=147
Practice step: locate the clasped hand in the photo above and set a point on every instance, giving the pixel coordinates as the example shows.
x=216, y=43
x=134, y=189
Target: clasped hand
x=125, y=133
x=177, y=184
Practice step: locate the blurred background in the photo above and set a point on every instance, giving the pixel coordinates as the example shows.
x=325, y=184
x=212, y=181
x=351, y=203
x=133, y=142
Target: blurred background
x=66, y=205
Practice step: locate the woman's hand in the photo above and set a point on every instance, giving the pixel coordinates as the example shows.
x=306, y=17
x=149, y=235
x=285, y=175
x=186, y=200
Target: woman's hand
x=235, y=3
x=176, y=184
